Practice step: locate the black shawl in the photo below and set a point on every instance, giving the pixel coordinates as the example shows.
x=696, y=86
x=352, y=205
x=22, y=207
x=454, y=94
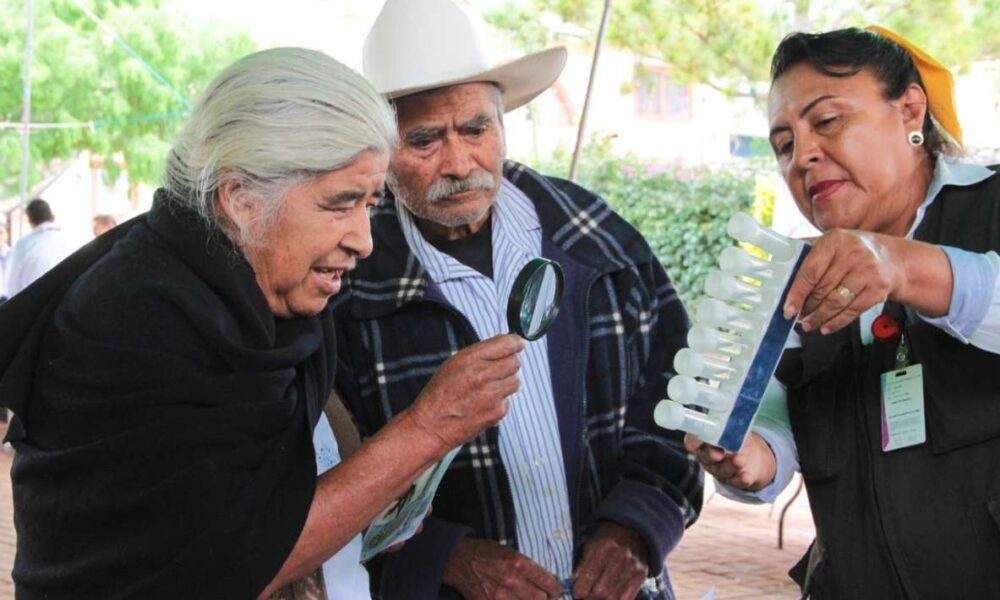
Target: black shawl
x=163, y=439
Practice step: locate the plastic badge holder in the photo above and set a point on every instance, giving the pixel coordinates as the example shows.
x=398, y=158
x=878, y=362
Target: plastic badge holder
x=737, y=339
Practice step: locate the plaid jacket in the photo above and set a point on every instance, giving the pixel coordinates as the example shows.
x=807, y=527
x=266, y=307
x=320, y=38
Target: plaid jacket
x=610, y=353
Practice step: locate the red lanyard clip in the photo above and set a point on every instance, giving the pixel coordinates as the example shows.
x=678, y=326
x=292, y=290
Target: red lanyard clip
x=886, y=329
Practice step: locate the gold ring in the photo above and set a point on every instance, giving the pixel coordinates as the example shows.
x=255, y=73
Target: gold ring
x=845, y=293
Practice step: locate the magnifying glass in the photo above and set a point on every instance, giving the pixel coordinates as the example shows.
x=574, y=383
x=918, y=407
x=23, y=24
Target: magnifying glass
x=534, y=299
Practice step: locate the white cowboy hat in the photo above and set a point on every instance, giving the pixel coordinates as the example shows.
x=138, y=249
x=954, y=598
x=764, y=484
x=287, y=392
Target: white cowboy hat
x=418, y=45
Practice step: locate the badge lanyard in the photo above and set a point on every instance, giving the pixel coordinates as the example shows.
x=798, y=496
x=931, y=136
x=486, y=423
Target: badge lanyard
x=902, y=353
x=902, y=390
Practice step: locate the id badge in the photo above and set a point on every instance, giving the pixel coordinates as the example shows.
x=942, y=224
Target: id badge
x=903, y=423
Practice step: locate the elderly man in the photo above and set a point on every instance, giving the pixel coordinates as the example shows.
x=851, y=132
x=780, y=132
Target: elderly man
x=576, y=491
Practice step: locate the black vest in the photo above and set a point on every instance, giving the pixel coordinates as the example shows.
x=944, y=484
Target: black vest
x=920, y=522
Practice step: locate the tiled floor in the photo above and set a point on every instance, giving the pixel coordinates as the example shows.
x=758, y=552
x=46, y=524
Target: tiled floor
x=732, y=550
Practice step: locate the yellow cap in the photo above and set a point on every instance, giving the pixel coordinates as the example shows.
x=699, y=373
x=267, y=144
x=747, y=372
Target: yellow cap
x=938, y=83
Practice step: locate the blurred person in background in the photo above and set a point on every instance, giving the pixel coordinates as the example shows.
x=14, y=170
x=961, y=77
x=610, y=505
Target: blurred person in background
x=102, y=223
x=888, y=401
x=36, y=253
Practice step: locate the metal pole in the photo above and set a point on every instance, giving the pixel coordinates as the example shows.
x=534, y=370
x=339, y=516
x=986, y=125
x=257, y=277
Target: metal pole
x=590, y=88
x=26, y=118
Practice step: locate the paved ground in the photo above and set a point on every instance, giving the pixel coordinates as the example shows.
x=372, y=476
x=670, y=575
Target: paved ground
x=732, y=550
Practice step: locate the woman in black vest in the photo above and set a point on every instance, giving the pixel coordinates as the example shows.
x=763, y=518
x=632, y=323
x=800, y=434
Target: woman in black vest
x=892, y=383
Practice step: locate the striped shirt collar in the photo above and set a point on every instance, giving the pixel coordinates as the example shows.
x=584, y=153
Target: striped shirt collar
x=573, y=220
x=514, y=220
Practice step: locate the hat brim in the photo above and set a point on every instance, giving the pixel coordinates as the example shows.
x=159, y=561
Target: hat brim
x=521, y=80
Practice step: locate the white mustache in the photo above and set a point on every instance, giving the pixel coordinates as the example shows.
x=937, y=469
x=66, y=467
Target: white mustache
x=447, y=186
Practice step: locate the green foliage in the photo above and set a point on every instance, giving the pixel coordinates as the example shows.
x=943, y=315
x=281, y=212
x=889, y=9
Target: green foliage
x=704, y=40
x=81, y=74
x=729, y=44
x=682, y=213
x=528, y=32
x=956, y=32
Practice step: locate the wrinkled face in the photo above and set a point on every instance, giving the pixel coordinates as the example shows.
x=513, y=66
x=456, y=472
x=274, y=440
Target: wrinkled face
x=449, y=163
x=842, y=149
x=320, y=232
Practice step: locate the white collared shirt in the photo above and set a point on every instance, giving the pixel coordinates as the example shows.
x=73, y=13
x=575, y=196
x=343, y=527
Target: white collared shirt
x=34, y=255
x=529, y=435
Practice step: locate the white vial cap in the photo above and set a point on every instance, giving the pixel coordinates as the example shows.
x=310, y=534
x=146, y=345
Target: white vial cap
x=669, y=415
x=744, y=228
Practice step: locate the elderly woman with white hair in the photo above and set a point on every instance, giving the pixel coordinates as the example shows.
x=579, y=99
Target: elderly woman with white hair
x=167, y=377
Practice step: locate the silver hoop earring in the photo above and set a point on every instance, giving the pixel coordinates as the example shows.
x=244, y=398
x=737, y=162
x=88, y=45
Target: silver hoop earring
x=915, y=138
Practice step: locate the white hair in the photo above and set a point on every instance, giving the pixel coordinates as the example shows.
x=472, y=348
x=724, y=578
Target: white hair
x=270, y=121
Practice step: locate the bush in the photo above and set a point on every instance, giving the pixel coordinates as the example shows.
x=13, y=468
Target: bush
x=682, y=212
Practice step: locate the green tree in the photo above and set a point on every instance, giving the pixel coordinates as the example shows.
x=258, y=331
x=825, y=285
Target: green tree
x=83, y=73
x=728, y=44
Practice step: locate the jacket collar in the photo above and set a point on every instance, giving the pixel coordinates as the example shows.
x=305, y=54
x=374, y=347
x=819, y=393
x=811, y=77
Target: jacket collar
x=577, y=221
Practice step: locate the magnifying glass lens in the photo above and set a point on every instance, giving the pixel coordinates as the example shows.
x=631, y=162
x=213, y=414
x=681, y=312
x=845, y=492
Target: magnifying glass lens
x=534, y=299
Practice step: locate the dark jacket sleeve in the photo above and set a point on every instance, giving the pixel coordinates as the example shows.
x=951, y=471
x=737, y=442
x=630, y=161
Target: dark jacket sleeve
x=661, y=488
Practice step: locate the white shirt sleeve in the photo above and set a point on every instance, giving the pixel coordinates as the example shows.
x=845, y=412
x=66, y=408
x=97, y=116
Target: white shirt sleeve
x=974, y=313
x=987, y=335
x=30, y=267
x=34, y=255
